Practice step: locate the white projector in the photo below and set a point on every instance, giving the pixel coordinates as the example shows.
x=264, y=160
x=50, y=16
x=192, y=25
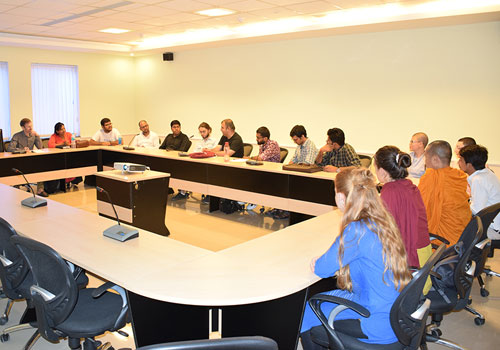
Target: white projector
x=130, y=167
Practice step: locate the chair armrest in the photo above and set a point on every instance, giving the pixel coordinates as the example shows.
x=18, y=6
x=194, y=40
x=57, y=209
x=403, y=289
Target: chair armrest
x=110, y=285
x=434, y=236
x=483, y=244
x=5, y=262
x=343, y=304
x=421, y=312
x=45, y=294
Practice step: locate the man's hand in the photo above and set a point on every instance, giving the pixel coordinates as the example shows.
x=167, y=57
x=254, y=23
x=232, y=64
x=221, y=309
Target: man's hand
x=106, y=143
x=312, y=265
x=326, y=148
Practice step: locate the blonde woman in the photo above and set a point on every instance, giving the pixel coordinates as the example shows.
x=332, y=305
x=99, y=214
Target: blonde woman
x=368, y=258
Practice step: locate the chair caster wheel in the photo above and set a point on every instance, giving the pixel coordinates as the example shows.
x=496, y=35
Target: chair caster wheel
x=436, y=333
x=4, y=338
x=479, y=321
x=262, y=210
x=484, y=292
x=4, y=320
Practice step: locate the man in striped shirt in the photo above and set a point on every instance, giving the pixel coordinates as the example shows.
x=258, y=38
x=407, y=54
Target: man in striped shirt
x=306, y=151
x=337, y=154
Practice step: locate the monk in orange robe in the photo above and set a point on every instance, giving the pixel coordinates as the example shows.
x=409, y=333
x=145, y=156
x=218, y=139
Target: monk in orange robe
x=444, y=191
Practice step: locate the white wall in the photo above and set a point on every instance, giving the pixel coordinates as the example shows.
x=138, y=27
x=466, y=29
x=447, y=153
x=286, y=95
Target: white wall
x=379, y=88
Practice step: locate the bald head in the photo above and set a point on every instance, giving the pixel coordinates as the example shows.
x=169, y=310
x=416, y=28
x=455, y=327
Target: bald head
x=438, y=154
x=422, y=137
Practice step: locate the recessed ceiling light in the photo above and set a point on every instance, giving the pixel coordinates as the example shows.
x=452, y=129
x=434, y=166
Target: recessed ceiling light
x=215, y=12
x=114, y=30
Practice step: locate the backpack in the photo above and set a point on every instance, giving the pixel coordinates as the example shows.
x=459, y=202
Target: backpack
x=229, y=206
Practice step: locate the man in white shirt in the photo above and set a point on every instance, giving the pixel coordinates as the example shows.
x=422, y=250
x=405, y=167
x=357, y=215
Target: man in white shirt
x=107, y=136
x=206, y=142
x=484, y=184
x=147, y=138
x=418, y=143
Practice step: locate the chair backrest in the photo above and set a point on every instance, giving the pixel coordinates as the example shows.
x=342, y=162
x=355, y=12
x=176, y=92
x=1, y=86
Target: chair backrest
x=487, y=216
x=13, y=269
x=188, y=146
x=236, y=343
x=283, y=154
x=366, y=161
x=409, y=311
x=54, y=291
x=2, y=149
x=247, y=149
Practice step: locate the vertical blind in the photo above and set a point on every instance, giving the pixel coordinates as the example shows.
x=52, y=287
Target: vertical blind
x=54, y=91
x=4, y=100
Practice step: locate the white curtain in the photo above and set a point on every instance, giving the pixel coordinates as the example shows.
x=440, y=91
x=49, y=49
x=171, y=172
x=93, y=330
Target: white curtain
x=4, y=100
x=54, y=91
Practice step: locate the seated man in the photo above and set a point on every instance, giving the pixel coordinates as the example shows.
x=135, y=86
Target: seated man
x=484, y=184
x=336, y=154
x=146, y=138
x=176, y=141
x=463, y=142
x=444, y=191
x=269, y=150
x=230, y=136
x=27, y=139
x=106, y=136
x=306, y=151
x=418, y=143
x=207, y=142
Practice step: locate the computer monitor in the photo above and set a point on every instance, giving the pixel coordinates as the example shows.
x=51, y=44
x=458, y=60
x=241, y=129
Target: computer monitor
x=1, y=142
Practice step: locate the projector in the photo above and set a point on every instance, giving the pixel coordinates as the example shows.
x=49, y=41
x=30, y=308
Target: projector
x=130, y=167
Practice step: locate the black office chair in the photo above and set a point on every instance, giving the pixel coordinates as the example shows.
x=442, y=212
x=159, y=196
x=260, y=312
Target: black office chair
x=366, y=161
x=452, y=283
x=408, y=316
x=487, y=216
x=236, y=343
x=247, y=149
x=188, y=146
x=16, y=281
x=283, y=154
x=62, y=310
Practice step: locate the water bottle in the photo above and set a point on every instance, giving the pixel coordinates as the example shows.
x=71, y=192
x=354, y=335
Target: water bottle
x=120, y=140
x=226, y=152
x=73, y=141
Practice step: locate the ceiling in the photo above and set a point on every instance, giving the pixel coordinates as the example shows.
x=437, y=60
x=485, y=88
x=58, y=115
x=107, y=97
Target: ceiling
x=161, y=24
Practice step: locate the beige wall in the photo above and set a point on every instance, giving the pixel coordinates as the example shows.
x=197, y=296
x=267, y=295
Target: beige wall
x=379, y=87
x=106, y=86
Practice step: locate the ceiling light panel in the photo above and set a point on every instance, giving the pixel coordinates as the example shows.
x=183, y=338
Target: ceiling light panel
x=114, y=30
x=215, y=12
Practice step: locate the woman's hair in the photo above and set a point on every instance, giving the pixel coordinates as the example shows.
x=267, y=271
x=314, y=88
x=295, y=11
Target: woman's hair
x=58, y=127
x=392, y=160
x=364, y=204
x=206, y=126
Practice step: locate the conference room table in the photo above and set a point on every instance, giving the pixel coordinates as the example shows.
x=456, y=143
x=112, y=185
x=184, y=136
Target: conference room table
x=177, y=291
x=303, y=194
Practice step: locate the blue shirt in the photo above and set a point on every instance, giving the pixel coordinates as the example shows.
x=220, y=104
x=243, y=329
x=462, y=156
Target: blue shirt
x=363, y=254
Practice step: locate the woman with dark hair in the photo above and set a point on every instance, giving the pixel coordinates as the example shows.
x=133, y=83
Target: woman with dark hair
x=404, y=201
x=368, y=258
x=60, y=137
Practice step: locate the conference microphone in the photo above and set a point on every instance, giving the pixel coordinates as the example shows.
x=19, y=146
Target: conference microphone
x=31, y=202
x=119, y=232
x=127, y=147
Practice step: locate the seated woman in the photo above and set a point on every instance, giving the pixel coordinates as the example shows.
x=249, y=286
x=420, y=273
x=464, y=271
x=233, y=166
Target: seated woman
x=62, y=138
x=368, y=258
x=403, y=200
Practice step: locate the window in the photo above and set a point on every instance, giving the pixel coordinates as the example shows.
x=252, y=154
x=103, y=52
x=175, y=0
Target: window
x=54, y=91
x=4, y=100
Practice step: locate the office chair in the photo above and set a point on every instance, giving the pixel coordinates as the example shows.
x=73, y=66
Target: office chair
x=487, y=215
x=188, y=146
x=283, y=154
x=62, y=310
x=2, y=148
x=236, y=343
x=452, y=281
x=407, y=316
x=247, y=149
x=366, y=161
x=16, y=280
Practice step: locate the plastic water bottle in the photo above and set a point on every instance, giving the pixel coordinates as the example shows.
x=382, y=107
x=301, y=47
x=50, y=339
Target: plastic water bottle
x=120, y=140
x=226, y=152
x=73, y=141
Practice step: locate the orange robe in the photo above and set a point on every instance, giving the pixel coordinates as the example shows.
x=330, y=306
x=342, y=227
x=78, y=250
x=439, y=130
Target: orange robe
x=446, y=201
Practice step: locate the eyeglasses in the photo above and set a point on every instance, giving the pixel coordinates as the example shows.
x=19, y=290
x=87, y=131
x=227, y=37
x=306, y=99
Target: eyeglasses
x=414, y=141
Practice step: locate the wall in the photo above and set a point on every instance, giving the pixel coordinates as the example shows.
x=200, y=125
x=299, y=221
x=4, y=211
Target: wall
x=379, y=88
x=106, y=86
